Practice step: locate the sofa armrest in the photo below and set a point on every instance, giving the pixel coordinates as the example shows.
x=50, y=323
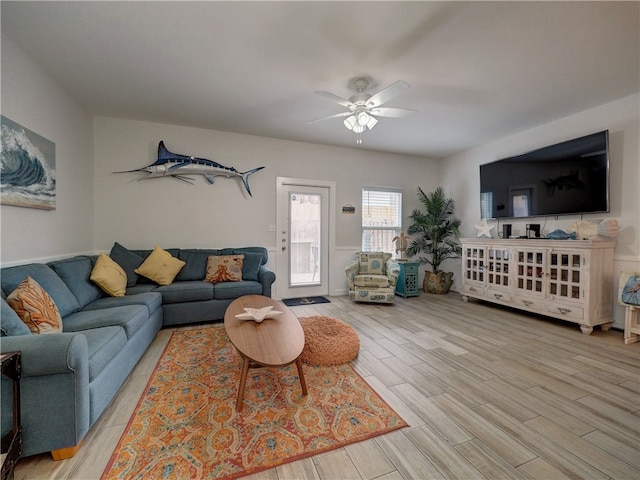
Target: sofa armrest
x=48, y=354
x=351, y=271
x=393, y=271
x=266, y=277
x=54, y=390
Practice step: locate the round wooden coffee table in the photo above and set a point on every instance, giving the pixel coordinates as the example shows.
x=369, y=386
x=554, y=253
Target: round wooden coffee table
x=275, y=342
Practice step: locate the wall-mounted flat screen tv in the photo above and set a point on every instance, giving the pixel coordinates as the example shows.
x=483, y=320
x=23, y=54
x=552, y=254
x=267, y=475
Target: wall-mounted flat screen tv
x=571, y=177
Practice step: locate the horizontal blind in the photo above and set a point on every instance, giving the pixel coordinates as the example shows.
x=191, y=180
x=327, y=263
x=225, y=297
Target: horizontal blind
x=381, y=218
x=381, y=208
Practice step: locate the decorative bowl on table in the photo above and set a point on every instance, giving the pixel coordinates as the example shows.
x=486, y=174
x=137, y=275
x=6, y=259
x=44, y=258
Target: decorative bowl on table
x=258, y=314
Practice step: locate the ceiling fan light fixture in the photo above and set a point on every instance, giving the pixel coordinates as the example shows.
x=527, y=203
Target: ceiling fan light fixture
x=363, y=118
x=350, y=122
x=357, y=128
x=372, y=122
x=363, y=106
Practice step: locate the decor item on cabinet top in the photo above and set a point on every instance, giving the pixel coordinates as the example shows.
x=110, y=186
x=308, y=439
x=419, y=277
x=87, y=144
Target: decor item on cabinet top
x=436, y=231
x=177, y=166
x=586, y=229
x=402, y=243
x=561, y=235
x=484, y=229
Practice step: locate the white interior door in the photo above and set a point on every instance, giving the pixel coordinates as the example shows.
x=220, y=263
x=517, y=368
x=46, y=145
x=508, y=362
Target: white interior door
x=302, y=238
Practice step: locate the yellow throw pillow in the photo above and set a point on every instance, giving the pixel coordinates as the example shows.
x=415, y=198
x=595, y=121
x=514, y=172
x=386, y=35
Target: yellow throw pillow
x=224, y=268
x=160, y=267
x=109, y=276
x=35, y=307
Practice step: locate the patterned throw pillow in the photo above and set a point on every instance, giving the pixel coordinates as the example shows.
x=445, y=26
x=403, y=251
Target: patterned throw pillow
x=160, y=266
x=224, y=268
x=109, y=276
x=35, y=307
x=373, y=262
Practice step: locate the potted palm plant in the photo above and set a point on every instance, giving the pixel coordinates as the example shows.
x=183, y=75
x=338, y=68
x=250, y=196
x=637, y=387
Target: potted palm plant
x=435, y=235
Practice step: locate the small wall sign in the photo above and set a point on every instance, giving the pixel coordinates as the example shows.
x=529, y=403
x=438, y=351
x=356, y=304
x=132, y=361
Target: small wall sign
x=349, y=209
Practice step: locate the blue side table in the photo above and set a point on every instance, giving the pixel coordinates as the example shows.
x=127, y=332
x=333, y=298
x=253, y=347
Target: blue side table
x=407, y=285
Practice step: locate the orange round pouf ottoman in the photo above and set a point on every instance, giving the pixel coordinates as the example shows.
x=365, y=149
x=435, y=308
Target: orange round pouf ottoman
x=328, y=341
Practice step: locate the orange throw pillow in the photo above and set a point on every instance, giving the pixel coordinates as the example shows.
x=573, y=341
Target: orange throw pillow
x=224, y=268
x=35, y=307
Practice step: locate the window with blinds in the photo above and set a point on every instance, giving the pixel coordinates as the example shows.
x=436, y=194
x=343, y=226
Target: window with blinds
x=486, y=205
x=381, y=218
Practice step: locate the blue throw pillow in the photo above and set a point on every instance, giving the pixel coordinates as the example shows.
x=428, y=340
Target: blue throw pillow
x=10, y=323
x=128, y=260
x=251, y=264
x=76, y=273
x=196, y=260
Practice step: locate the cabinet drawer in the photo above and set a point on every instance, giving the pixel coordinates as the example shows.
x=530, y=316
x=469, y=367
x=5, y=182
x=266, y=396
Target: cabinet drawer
x=498, y=295
x=473, y=290
x=530, y=303
x=566, y=310
x=410, y=267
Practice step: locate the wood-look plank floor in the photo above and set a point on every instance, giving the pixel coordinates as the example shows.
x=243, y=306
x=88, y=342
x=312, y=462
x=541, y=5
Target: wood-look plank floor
x=488, y=393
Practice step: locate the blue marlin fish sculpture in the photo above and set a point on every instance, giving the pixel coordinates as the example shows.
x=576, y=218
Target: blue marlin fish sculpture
x=177, y=166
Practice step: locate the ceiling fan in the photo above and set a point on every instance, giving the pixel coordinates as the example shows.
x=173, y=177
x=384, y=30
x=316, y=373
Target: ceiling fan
x=364, y=107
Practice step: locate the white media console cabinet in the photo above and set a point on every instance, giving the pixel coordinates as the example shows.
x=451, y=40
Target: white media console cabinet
x=567, y=279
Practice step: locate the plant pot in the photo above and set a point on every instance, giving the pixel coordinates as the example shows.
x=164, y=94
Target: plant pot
x=439, y=282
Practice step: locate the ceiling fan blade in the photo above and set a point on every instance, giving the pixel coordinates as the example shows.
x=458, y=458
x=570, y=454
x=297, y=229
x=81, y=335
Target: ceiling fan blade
x=335, y=98
x=336, y=115
x=391, y=112
x=388, y=93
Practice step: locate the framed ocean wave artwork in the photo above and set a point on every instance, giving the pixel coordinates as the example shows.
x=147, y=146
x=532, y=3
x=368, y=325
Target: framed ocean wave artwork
x=27, y=167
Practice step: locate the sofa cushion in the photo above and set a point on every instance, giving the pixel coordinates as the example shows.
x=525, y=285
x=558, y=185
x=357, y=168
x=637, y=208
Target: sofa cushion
x=160, y=266
x=75, y=272
x=128, y=260
x=151, y=300
x=224, y=268
x=104, y=344
x=129, y=317
x=228, y=290
x=35, y=307
x=10, y=322
x=141, y=287
x=196, y=263
x=62, y=296
x=109, y=276
x=187, y=291
x=371, y=281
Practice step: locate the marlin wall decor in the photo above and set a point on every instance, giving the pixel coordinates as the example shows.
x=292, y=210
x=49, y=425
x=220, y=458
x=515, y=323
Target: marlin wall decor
x=177, y=166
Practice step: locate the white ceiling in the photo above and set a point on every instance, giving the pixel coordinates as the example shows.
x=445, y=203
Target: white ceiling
x=478, y=70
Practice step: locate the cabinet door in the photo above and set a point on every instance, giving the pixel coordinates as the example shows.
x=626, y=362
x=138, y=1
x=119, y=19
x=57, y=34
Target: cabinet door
x=498, y=261
x=566, y=279
x=474, y=264
x=530, y=268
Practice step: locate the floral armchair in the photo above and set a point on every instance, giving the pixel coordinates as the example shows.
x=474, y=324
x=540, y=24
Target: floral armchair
x=372, y=277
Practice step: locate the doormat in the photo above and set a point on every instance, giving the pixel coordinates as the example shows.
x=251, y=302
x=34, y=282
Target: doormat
x=295, y=302
x=186, y=425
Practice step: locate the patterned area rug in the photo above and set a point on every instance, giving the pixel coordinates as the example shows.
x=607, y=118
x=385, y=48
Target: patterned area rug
x=186, y=425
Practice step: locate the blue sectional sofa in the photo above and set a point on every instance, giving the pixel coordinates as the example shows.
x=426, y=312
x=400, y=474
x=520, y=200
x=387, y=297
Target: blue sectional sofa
x=69, y=378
